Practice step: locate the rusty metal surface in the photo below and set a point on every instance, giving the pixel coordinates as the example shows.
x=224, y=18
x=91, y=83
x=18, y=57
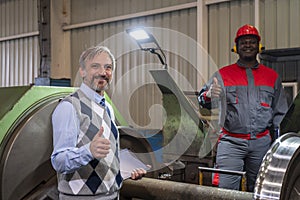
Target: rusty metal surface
x=147, y=188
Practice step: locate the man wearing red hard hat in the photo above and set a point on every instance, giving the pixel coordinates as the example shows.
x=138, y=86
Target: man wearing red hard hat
x=252, y=103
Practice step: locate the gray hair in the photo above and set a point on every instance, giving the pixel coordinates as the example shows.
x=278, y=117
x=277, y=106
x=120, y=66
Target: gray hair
x=91, y=52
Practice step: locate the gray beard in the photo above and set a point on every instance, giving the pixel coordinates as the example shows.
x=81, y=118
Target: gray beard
x=98, y=90
x=94, y=87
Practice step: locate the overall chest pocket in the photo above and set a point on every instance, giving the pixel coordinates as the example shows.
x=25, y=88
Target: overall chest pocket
x=266, y=96
x=231, y=95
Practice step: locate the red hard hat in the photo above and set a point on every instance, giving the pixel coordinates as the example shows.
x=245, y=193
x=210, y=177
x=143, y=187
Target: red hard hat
x=247, y=30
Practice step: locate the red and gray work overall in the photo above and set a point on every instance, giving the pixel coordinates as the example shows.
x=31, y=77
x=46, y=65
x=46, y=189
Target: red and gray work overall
x=252, y=101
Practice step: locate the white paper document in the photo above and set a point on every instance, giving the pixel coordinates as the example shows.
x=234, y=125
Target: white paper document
x=129, y=162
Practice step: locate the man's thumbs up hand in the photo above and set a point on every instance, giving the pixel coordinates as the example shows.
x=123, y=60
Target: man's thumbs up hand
x=214, y=90
x=215, y=81
x=100, y=146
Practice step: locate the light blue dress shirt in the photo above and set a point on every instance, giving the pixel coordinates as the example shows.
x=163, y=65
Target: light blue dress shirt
x=66, y=157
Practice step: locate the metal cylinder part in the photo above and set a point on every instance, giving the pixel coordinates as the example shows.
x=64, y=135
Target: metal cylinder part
x=148, y=188
x=26, y=142
x=279, y=175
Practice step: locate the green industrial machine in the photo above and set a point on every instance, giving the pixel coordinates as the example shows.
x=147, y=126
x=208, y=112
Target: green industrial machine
x=26, y=137
x=26, y=140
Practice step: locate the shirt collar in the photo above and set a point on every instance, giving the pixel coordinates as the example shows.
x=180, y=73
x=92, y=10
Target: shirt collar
x=240, y=64
x=90, y=93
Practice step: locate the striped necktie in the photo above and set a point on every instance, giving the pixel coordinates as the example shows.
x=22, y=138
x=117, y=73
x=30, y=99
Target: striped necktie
x=112, y=125
x=102, y=103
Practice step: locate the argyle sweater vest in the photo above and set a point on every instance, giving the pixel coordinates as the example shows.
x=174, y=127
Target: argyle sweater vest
x=100, y=176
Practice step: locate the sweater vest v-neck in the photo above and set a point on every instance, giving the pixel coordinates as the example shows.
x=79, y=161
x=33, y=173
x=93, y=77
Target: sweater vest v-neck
x=99, y=176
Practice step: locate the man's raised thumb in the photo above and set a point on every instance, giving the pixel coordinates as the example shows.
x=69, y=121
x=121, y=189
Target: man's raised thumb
x=215, y=81
x=100, y=132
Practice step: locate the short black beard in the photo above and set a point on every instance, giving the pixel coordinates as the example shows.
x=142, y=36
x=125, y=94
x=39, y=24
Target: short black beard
x=249, y=59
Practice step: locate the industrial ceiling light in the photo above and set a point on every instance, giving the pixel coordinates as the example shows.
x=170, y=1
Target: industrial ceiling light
x=147, y=42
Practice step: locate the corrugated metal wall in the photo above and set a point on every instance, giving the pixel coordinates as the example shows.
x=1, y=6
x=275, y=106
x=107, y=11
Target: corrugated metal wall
x=224, y=20
x=19, y=49
x=279, y=25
